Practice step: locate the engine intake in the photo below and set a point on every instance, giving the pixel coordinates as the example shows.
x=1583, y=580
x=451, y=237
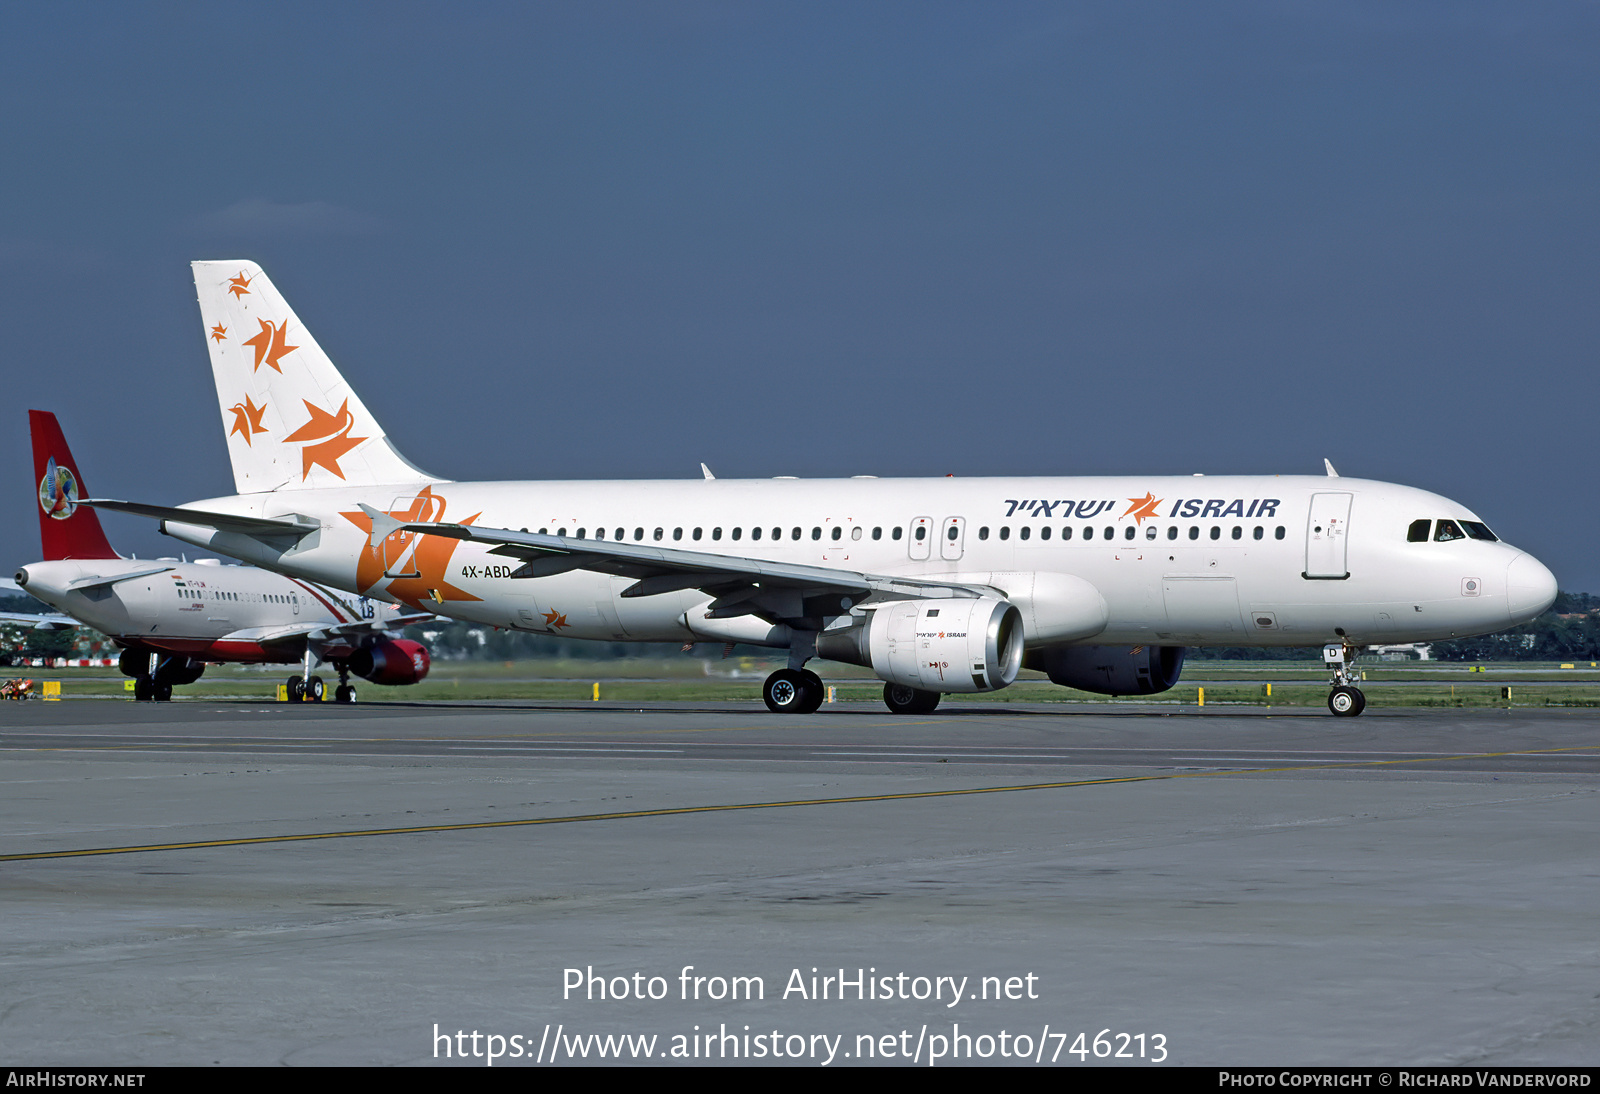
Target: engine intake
x=948, y=644
x=393, y=661
x=1111, y=670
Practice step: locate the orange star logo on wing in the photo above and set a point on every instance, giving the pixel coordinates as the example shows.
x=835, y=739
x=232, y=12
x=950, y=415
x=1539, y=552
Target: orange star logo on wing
x=269, y=344
x=327, y=436
x=1143, y=507
x=219, y=333
x=238, y=286
x=555, y=620
x=247, y=419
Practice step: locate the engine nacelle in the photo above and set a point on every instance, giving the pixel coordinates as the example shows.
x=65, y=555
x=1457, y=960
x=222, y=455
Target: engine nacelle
x=171, y=668
x=393, y=661
x=950, y=644
x=1111, y=670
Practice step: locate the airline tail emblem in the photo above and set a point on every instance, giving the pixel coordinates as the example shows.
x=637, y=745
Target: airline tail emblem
x=331, y=434
x=66, y=529
x=58, y=491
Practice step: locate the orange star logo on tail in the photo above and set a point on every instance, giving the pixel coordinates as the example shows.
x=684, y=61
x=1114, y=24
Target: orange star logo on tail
x=219, y=333
x=327, y=438
x=1143, y=507
x=269, y=344
x=238, y=286
x=428, y=561
x=247, y=419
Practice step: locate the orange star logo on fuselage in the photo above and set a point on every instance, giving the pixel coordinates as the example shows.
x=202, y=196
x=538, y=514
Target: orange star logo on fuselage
x=555, y=620
x=429, y=561
x=247, y=419
x=1143, y=507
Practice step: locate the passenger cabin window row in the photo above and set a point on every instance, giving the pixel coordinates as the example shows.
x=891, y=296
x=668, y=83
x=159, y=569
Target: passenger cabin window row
x=1445, y=531
x=1130, y=532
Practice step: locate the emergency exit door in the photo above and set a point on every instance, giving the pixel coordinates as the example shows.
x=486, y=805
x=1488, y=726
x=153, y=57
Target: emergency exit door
x=1327, y=537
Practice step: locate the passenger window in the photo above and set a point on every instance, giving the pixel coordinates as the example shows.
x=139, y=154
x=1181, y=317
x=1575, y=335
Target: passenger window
x=855, y=533
x=1128, y=533
x=1088, y=531
x=1066, y=531
x=1216, y=533
x=1150, y=532
x=1447, y=531
x=677, y=533
x=795, y=534
x=755, y=533
x=622, y=533
x=716, y=533
x=599, y=533
x=983, y=533
x=816, y=533
x=839, y=532
x=695, y=534
x=896, y=533
x=952, y=533
x=737, y=532
x=1278, y=534
x=1172, y=533
x=1005, y=531
x=1194, y=532
x=638, y=533
x=1259, y=531
x=777, y=533
x=1238, y=533
x=561, y=532
x=583, y=533
x=1111, y=533
x=1022, y=534
x=922, y=532
x=1418, y=532
x=1044, y=533
x=877, y=533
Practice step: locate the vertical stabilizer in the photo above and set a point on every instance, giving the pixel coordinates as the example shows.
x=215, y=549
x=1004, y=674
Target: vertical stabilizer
x=291, y=419
x=66, y=529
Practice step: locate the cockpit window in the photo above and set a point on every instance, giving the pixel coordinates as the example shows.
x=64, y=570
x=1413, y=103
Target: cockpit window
x=1479, y=531
x=1448, y=531
x=1418, y=532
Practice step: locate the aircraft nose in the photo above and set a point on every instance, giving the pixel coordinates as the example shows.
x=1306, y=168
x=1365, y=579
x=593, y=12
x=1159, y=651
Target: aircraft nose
x=1530, y=588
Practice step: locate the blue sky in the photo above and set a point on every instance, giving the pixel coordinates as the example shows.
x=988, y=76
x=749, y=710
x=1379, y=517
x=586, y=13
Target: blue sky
x=613, y=240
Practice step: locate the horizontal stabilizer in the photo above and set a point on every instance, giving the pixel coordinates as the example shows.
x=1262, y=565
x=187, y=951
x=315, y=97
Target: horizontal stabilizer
x=222, y=522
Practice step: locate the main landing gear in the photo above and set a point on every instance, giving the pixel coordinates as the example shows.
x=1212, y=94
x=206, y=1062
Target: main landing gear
x=793, y=691
x=903, y=699
x=1345, y=700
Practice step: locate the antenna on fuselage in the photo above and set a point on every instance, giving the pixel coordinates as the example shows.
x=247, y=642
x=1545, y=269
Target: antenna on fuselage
x=706, y=471
x=1332, y=474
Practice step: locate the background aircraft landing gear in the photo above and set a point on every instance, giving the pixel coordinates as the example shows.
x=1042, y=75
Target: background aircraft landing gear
x=297, y=689
x=143, y=689
x=902, y=699
x=1345, y=700
x=792, y=691
x=344, y=693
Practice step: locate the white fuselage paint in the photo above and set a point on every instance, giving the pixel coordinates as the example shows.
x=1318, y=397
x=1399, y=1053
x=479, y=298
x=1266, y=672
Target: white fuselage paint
x=189, y=607
x=1357, y=579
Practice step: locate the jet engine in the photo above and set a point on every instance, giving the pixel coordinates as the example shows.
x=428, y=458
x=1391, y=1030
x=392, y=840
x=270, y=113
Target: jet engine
x=392, y=661
x=171, y=668
x=948, y=644
x=1111, y=670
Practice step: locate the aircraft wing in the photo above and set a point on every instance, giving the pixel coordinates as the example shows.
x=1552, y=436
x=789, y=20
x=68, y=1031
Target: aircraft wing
x=46, y=622
x=774, y=591
x=325, y=634
x=94, y=581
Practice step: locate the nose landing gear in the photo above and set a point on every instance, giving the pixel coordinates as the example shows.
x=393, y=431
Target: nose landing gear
x=1345, y=700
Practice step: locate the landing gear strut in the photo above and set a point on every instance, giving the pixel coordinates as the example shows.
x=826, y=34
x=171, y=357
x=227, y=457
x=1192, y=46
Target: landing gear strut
x=344, y=693
x=1345, y=700
x=305, y=688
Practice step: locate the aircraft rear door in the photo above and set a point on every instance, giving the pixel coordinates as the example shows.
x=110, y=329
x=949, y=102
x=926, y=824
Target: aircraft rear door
x=1327, y=537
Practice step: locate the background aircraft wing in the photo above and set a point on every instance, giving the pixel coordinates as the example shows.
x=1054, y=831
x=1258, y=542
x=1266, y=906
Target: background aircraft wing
x=49, y=621
x=778, y=592
x=325, y=634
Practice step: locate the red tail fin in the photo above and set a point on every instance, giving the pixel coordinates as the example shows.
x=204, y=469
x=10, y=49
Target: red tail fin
x=66, y=529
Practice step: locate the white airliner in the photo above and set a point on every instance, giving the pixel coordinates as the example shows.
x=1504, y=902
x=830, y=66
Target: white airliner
x=938, y=585
x=171, y=617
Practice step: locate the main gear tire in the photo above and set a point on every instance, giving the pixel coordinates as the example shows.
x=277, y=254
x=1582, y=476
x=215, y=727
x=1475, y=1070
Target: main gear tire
x=904, y=699
x=787, y=691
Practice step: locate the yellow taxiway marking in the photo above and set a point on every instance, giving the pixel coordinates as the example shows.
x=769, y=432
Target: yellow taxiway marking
x=734, y=807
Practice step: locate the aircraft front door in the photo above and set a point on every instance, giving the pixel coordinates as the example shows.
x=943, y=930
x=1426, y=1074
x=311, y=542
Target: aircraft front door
x=1327, y=537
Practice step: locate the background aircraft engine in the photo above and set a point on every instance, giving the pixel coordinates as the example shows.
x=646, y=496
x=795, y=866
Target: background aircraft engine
x=951, y=644
x=395, y=661
x=1111, y=670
